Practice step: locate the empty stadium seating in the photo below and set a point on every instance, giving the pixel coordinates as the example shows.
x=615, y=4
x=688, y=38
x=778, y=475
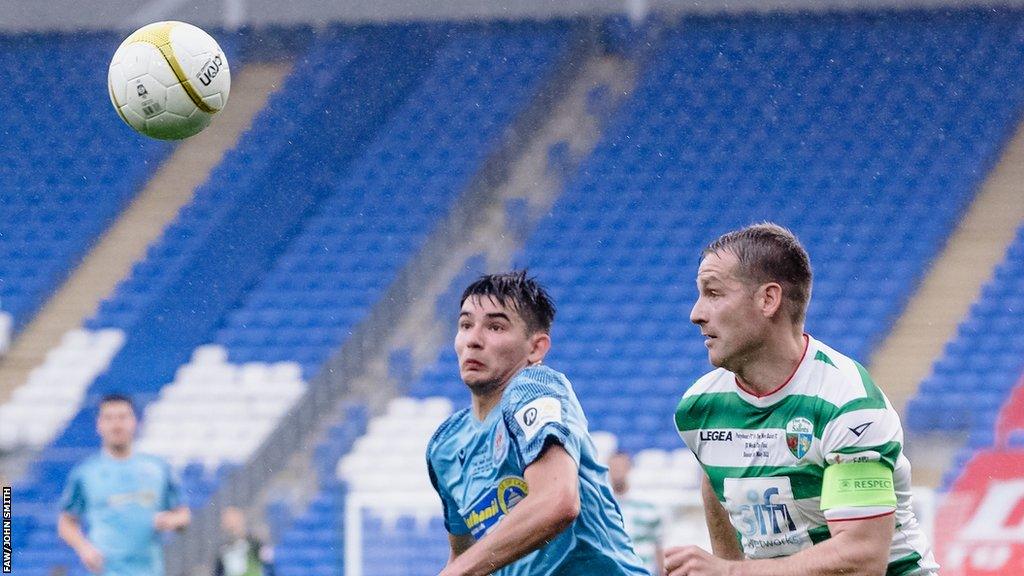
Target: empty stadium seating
x=865, y=133
x=979, y=368
x=69, y=164
x=738, y=120
x=307, y=198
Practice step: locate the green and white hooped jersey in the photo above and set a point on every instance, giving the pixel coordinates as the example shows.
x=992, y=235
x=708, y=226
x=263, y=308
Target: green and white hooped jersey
x=767, y=456
x=644, y=525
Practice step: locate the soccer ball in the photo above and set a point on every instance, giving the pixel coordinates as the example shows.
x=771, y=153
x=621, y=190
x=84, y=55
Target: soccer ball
x=168, y=79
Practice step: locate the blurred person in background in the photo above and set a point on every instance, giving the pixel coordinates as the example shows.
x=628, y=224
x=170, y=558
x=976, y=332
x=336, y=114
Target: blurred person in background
x=643, y=521
x=126, y=499
x=242, y=554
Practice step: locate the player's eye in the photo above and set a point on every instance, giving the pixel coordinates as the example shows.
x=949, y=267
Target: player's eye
x=497, y=327
x=465, y=325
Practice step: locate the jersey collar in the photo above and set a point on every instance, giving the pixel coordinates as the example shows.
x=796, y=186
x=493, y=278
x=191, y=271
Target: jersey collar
x=778, y=393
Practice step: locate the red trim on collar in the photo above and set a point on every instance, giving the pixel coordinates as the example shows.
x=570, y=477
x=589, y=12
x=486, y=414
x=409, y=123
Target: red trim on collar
x=807, y=343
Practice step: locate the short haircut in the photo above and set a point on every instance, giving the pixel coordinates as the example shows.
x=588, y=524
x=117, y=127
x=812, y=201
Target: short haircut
x=768, y=252
x=118, y=397
x=517, y=291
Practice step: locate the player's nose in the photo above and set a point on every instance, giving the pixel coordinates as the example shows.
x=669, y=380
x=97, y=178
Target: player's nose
x=474, y=337
x=697, y=313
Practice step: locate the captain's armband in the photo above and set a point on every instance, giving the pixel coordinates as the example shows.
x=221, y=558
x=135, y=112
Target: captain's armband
x=857, y=485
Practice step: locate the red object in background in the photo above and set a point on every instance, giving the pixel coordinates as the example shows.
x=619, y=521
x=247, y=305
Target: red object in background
x=1011, y=415
x=979, y=528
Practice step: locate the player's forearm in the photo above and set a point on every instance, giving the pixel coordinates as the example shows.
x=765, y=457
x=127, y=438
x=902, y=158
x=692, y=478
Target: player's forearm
x=70, y=531
x=174, y=519
x=838, y=555
x=722, y=534
x=531, y=524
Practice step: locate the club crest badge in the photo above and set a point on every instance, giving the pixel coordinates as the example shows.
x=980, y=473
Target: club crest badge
x=500, y=446
x=799, y=435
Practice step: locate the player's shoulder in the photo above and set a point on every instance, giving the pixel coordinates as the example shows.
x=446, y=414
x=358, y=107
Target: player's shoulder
x=534, y=382
x=152, y=463
x=841, y=380
x=446, y=430
x=147, y=458
x=701, y=397
x=718, y=380
x=90, y=462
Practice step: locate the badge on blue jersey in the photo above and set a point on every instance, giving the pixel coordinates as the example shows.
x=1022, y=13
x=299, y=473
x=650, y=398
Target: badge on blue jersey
x=485, y=513
x=500, y=446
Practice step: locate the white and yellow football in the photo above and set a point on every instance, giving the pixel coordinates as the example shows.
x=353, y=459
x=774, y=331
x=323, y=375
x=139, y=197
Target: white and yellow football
x=168, y=79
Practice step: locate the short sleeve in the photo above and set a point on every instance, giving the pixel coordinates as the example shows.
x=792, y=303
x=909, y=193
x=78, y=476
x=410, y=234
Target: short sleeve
x=861, y=446
x=72, y=500
x=863, y=434
x=537, y=415
x=172, y=490
x=453, y=522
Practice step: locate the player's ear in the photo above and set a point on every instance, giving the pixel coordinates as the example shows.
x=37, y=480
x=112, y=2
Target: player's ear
x=771, y=299
x=540, y=343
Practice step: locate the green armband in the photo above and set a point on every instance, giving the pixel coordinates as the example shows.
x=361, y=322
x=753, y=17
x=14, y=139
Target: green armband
x=857, y=484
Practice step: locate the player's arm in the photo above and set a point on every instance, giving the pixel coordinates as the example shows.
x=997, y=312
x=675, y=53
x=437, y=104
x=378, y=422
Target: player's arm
x=175, y=519
x=70, y=530
x=856, y=548
x=723, y=536
x=553, y=503
x=174, y=514
x=659, y=559
x=458, y=544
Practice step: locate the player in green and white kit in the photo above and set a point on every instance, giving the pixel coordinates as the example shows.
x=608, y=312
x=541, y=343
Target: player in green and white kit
x=803, y=453
x=643, y=520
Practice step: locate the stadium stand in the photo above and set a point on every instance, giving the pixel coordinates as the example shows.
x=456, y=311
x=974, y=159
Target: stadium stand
x=69, y=165
x=740, y=119
x=166, y=306
x=734, y=120
x=979, y=367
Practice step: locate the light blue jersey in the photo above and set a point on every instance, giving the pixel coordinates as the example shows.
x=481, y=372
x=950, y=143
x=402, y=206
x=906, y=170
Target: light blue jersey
x=478, y=470
x=118, y=499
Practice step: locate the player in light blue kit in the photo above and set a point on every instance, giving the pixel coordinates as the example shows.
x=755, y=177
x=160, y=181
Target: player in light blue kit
x=125, y=498
x=521, y=489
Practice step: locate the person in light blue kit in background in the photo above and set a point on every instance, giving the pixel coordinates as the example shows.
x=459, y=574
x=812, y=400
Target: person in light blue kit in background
x=124, y=497
x=520, y=486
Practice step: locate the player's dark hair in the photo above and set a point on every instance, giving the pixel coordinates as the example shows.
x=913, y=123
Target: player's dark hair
x=518, y=291
x=117, y=397
x=768, y=252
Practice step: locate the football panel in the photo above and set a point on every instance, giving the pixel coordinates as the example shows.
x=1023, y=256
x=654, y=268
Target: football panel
x=160, y=69
x=134, y=120
x=178, y=101
x=192, y=40
x=117, y=84
x=170, y=126
x=146, y=96
x=202, y=62
x=215, y=101
x=137, y=58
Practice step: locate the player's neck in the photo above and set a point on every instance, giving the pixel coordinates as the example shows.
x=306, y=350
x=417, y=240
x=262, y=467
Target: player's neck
x=772, y=366
x=118, y=452
x=485, y=402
